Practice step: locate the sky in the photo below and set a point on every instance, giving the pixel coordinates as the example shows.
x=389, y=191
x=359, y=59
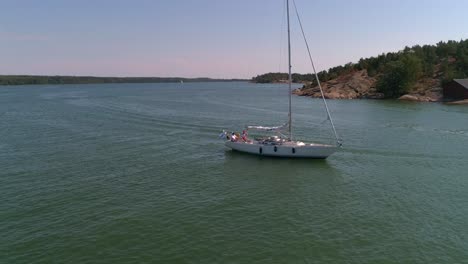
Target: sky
x=212, y=38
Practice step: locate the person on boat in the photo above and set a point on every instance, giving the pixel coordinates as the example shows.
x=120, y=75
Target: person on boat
x=244, y=135
x=233, y=137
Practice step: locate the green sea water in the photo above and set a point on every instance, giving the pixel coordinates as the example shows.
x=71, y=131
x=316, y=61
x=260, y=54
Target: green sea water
x=135, y=173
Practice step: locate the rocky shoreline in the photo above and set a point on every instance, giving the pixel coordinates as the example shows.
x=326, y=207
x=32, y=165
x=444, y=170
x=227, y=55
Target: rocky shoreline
x=359, y=85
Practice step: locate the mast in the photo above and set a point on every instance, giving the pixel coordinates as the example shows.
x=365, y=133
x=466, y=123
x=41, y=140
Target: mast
x=289, y=76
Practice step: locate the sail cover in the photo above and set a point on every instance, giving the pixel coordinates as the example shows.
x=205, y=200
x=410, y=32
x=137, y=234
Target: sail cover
x=264, y=128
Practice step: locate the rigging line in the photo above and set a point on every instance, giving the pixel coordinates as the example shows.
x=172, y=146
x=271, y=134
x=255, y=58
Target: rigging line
x=338, y=141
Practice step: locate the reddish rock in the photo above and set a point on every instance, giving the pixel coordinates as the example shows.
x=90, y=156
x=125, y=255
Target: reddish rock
x=354, y=85
x=358, y=85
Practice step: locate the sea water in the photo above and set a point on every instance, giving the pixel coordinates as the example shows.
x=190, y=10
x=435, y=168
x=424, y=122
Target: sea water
x=135, y=173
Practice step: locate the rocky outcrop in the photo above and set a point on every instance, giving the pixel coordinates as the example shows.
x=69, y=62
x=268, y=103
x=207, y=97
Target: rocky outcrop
x=461, y=102
x=354, y=85
x=425, y=90
x=409, y=97
x=358, y=85
x=418, y=98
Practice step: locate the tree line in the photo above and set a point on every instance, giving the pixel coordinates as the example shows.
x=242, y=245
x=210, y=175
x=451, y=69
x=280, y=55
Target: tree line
x=273, y=77
x=397, y=72
x=35, y=79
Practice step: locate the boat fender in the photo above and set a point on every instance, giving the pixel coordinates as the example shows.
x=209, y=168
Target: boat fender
x=275, y=149
x=260, y=150
x=293, y=150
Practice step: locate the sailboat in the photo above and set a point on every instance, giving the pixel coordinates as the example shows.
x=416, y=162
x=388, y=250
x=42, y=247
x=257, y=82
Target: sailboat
x=283, y=144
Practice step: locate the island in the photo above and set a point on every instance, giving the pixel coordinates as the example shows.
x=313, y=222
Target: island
x=414, y=73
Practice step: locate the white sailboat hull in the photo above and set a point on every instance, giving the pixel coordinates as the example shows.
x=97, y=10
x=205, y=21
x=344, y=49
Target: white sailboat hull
x=285, y=150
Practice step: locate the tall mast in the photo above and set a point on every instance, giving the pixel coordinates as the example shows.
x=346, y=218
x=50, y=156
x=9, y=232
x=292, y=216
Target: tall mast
x=290, y=76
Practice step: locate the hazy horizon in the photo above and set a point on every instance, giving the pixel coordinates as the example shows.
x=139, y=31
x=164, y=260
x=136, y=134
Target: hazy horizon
x=212, y=39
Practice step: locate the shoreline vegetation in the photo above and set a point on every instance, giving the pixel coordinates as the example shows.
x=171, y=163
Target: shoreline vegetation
x=415, y=73
x=43, y=79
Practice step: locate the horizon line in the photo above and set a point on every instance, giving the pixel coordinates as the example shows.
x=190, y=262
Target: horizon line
x=127, y=77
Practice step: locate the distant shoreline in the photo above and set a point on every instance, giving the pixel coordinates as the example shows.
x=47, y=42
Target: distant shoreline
x=11, y=80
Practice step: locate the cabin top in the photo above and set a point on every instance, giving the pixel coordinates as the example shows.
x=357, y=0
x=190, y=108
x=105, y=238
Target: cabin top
x=462, y=82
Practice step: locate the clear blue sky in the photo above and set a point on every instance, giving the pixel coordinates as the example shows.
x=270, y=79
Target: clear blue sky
x=213, y=38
